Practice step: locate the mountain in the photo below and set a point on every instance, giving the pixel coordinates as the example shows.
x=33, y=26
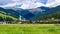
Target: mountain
x=31, y=14
x=52, y=13
x=53, y=10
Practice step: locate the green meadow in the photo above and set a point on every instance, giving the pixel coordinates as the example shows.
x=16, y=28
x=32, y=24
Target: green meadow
x=29, y=29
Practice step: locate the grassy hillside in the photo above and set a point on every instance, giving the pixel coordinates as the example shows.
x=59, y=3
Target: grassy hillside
x=5, y=17
x=29, y=29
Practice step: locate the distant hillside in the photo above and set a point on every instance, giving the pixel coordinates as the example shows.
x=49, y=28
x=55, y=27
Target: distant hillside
x=50, y=16
x=10, y=12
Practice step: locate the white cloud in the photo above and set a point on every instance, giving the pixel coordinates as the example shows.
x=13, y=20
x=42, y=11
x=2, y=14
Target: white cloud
x=29, y=4
x=53, y=3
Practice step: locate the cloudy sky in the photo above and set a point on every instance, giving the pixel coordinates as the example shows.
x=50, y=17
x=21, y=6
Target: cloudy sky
x=29, y=4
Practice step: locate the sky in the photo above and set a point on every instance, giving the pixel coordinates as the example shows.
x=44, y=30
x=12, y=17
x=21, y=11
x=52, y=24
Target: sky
x=28, y=4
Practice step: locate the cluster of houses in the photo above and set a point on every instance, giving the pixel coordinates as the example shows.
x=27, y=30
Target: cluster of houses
x=39, y=21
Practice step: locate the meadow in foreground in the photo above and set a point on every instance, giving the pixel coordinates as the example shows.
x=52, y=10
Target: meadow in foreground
x=29, y=29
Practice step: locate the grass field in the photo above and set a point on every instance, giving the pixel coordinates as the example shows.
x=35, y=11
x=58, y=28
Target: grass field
x=29, y=29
